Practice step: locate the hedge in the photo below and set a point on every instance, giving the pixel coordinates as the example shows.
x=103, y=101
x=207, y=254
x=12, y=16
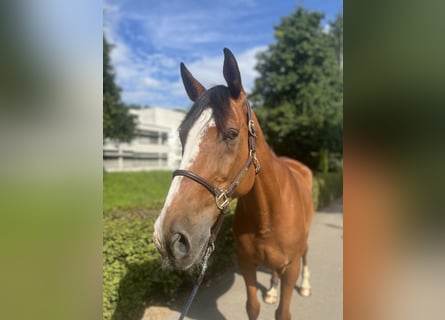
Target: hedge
x=132, y=274
x=327, y=187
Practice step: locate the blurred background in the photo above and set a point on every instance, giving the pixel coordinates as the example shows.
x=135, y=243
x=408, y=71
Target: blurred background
x=51, y=159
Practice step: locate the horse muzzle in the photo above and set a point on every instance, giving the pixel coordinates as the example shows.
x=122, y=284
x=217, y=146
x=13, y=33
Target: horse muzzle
x=178, y=251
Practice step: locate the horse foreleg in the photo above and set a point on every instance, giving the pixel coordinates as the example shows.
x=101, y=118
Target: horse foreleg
x=272, y=294
x=305, y=289
x=288, y=280
x=248, y=270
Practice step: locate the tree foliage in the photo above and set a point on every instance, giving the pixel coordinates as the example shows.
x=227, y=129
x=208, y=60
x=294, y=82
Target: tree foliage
x=118, y=123
x=336, y=29
x=299, y=94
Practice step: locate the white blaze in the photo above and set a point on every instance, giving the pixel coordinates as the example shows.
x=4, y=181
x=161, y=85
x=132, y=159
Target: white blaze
x=191, y=151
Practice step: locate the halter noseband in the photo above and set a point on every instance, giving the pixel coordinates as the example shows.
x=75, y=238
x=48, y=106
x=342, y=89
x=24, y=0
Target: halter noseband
x=223, y=197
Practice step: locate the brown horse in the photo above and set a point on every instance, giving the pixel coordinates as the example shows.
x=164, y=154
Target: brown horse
x=225, y=152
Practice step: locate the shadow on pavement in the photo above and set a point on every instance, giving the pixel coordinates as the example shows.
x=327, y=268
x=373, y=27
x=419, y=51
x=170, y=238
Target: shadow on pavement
x=132, y=302
x=132, y=292
x=205, y=304
x=334, y=207
x=331, y=225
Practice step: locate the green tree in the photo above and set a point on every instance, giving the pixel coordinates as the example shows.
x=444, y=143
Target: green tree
x=118, y=123
x=298, y=96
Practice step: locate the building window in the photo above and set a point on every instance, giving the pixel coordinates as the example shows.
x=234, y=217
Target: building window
x=152, y=137
x=164, y=138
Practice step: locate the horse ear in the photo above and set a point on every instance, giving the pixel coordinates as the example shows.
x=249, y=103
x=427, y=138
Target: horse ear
x=192, y=86
x=232, y=74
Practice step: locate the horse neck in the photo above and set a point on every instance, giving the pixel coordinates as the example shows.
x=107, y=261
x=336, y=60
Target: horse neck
x=258, y=201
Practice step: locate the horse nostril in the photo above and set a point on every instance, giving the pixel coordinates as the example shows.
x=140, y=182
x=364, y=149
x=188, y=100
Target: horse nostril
x=179, y=245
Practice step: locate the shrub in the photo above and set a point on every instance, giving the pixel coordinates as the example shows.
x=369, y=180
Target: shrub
x=132, y=272
x=327, y=187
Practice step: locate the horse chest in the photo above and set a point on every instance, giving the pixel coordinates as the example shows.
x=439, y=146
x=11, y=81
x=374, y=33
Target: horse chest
x=270, y=256
x=264, y=250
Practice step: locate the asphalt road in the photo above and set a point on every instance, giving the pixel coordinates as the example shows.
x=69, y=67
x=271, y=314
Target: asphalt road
x=225, y=298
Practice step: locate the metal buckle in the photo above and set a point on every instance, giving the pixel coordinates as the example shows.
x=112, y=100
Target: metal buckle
x=252, y=128
x=222, y=200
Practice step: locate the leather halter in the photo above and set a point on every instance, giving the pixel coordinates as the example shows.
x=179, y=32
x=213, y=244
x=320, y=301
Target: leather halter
x=223, y=197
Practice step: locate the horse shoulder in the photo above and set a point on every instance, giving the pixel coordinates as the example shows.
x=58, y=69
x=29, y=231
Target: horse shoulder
x=303, y=178
x=300, y=169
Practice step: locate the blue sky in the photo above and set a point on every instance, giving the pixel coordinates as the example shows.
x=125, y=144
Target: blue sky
x=151, y=38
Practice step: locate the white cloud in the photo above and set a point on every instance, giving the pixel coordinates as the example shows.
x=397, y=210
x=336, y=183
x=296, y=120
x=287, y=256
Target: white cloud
x=155, y=79
x=119, y=52
x=184, y=29
x=247, y=61
x=151, y=82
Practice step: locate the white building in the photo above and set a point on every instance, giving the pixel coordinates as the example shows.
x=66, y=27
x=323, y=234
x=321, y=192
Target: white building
x=156, y=145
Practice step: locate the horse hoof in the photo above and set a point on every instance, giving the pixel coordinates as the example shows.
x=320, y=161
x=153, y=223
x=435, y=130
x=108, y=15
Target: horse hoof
x=270, y=299
x=305, y=292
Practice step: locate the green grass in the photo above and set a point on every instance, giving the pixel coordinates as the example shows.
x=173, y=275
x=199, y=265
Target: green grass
x=135, y=190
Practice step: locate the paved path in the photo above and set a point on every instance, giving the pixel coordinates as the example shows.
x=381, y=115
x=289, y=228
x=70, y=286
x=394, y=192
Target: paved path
x=225, y=298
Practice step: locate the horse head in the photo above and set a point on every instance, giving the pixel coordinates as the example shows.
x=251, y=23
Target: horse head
x=216, y=136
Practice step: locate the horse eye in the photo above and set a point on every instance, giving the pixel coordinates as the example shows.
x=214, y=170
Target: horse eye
x=231, y=134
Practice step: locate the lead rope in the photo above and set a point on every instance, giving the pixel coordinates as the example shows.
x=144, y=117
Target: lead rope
x=192, y=295
x=209, y=250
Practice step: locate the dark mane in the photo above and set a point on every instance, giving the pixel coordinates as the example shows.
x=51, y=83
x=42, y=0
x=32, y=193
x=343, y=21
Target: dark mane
x=216, y=98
